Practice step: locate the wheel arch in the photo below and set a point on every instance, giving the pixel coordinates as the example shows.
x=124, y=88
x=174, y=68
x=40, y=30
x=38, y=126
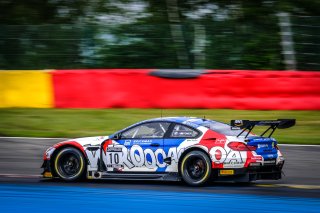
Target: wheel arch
x=59, y=148
x=196, y=148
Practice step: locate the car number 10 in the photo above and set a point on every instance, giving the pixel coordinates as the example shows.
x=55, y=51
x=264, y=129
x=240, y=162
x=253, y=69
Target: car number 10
x=113, y=158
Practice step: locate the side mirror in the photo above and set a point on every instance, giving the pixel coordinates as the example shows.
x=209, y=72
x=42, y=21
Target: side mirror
x=116, y=136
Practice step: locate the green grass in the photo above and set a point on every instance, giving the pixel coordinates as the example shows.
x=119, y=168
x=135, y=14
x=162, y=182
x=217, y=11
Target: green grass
x=91, y=122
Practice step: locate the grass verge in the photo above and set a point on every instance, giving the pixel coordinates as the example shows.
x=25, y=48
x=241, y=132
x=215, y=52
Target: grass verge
x=93, y=122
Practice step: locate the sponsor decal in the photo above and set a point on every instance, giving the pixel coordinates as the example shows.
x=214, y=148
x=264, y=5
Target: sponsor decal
x=127, y=143
x=141, y=142
x=115, y=166
x=220, y=141
x=257, y=158
x=271, y=156
x=119, y=156
x=238, y=123
x=93, y=152
x=219, y=155
x=114, y=149
x=181, y=133
x=261, y=139
x=227, y=172
x=191, y=140
x=263, y=146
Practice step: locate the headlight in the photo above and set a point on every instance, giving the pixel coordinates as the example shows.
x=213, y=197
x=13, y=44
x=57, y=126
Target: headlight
x=48, y=153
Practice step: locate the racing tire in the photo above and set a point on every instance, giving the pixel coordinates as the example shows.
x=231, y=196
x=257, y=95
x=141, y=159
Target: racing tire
x=195, y=168
x=69, y=164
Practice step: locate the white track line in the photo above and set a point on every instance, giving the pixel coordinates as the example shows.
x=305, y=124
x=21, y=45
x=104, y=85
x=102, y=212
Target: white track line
x=293, y=186
x=20, y=175
x=31, y=138
x=299, y=145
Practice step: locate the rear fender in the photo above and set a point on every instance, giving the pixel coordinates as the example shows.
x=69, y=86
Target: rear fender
x=193, y=148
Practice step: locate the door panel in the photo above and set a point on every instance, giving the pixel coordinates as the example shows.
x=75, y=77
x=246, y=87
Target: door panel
x=179, y=139
x=141, y=148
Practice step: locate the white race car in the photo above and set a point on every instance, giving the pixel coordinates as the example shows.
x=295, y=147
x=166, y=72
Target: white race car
x=192, y=149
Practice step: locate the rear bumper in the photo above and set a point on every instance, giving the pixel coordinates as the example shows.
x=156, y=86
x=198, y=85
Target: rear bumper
x=269, y=172
x=265, y=173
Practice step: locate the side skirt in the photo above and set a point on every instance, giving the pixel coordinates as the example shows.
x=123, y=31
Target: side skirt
x=134, y=176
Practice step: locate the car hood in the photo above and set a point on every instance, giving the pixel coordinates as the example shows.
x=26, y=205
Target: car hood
x=80, y=143
x=87, y=141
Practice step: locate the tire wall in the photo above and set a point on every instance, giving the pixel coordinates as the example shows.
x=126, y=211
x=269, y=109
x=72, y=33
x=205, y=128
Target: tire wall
x=134, y=88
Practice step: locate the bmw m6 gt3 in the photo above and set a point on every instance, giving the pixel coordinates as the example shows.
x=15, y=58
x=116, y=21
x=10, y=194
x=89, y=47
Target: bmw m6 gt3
x=194, y=150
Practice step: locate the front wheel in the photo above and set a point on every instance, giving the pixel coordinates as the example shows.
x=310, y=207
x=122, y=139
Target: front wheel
x=195, y=168
x=69, y=164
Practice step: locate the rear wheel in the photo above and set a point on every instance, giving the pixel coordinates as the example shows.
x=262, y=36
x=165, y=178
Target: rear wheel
x=69, y=164
x=195, y=168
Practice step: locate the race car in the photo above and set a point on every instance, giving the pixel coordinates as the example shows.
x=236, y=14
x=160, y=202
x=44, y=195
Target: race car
x=194, y=150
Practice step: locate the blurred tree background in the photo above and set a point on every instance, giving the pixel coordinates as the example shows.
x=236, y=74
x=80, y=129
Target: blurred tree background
x=234, y=34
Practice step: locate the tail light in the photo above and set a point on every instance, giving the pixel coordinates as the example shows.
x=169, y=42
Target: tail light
x=240, y=146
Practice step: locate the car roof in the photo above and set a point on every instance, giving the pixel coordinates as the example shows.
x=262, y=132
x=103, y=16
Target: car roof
x=192, y=121
x=216, y=126
x=213, y=125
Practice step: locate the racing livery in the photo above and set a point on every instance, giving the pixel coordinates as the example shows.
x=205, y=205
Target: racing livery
x=172, y=148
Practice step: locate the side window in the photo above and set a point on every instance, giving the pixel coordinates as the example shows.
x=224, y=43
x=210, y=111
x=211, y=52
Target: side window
x=181, y=131
x=147, y=130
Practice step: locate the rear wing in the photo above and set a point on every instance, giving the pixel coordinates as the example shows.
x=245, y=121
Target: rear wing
x=247, y=125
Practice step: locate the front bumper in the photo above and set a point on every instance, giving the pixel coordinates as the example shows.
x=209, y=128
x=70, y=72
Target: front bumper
x=46, y=169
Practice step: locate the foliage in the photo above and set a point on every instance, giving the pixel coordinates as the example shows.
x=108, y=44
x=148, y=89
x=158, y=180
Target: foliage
x=139, y=34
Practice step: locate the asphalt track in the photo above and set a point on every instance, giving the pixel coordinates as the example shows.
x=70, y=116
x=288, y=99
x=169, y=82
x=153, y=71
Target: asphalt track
x=22, y=189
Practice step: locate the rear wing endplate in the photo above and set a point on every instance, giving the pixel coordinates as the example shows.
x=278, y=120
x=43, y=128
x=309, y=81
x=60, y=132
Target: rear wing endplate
x=247, y=125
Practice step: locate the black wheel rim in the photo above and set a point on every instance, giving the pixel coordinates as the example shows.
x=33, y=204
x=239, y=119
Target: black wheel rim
x=69, y=164
x=196, y=167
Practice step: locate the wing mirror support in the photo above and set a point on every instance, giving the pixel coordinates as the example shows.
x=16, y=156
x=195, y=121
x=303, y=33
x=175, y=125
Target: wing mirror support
x=116, y=136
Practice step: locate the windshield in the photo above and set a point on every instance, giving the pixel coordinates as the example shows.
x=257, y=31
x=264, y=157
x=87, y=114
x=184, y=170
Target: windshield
x=222, y=128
